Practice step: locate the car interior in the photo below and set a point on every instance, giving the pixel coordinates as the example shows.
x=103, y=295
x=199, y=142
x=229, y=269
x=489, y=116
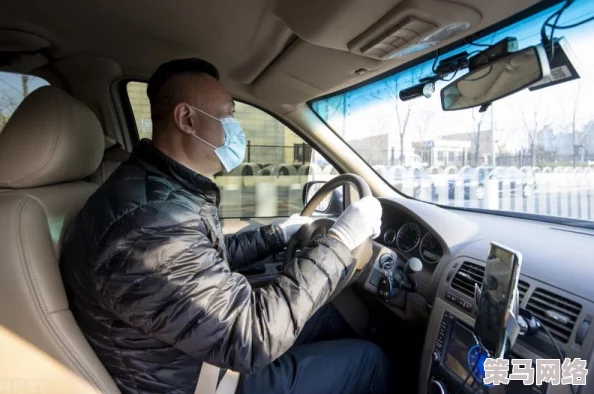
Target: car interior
x=79, y=71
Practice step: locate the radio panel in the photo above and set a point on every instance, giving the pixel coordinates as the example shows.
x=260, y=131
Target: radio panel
x=449, y=364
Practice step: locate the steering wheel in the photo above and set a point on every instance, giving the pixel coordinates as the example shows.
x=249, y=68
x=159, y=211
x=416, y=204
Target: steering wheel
x=362, y=254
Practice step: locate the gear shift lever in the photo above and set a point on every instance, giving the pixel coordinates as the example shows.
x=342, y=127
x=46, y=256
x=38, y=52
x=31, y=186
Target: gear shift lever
x=403, y=276
x=413, y=266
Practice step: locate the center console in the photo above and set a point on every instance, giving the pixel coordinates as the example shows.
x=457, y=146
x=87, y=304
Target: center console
x=449, y=362
x=451, y=334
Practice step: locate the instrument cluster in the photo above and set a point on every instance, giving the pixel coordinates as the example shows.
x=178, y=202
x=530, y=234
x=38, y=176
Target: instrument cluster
x=411, y=239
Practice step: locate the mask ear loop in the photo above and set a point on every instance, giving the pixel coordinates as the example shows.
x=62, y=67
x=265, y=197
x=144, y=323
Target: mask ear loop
x=207, y=114
x=206, y=142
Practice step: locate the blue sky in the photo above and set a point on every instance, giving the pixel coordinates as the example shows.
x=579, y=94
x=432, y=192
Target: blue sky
x=10, y=85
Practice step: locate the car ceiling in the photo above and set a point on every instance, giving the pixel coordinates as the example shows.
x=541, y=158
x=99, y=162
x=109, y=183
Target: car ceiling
x=282, y=52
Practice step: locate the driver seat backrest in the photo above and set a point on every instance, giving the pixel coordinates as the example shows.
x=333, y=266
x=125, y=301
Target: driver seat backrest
x=50, y=144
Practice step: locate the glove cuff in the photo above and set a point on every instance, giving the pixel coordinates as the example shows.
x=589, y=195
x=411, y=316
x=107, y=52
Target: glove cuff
x=342, y=237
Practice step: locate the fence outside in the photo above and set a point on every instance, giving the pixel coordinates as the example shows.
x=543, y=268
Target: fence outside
x=558, y=191
x=265, y=155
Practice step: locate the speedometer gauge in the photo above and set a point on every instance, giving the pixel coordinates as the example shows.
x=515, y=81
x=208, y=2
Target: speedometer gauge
x=430, y=249
x=408, y=237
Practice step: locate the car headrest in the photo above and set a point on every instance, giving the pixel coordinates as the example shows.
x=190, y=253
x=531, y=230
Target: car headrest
x=51, y=138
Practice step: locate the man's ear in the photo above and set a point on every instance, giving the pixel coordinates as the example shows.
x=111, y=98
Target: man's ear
x=184, y=119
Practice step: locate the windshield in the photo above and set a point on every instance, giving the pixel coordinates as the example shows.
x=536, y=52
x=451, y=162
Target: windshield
x=530, y=152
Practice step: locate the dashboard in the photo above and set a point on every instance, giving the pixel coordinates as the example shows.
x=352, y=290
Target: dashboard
x=405, y=235
x=412, y=240
x=555, y=282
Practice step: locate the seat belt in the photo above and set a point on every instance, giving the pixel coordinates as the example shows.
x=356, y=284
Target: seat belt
x=348, y=305
x=229, y=383
x=209, y=377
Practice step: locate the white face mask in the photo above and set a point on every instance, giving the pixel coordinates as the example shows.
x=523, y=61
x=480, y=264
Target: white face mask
x=232, y=152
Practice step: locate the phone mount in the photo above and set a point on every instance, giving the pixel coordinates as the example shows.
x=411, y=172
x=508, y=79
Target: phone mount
x=512, y=327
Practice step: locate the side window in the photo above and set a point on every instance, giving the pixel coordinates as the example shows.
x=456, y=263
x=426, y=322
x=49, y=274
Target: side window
x=13, y=90
x=277, y=163
x=141, y=108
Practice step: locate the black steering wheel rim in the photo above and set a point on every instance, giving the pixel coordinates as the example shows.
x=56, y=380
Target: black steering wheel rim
x=345, y=179
x=308, y=232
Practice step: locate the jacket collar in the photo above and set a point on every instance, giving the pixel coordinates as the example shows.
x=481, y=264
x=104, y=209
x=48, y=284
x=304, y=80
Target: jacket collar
x=157, y=161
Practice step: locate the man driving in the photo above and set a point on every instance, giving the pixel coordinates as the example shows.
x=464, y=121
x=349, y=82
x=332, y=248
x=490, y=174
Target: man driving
x=150, y=275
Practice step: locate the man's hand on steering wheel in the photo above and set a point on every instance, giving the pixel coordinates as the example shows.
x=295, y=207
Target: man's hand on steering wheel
x=290, y=226
x=355, y=228
x=360, y=222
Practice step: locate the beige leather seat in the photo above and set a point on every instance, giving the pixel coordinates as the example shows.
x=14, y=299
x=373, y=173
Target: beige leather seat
x=51, y=143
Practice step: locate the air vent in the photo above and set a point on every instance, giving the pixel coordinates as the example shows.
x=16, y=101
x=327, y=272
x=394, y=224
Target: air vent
x=557, y=313
x=467, y=276
x=470, y=273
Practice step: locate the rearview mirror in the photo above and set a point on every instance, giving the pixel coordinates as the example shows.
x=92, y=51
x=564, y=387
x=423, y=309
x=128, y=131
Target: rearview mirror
x=496, y=80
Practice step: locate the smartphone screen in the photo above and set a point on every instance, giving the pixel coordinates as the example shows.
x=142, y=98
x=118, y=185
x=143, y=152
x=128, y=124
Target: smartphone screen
x=499, y=285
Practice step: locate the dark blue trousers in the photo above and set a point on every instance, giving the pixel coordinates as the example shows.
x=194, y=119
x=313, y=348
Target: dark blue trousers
x=326, y=358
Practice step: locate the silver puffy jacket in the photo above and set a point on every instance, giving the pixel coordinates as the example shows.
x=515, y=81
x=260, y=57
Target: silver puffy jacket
x=149, y=276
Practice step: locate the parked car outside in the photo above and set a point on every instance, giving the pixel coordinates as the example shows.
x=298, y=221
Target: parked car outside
x=474, y=181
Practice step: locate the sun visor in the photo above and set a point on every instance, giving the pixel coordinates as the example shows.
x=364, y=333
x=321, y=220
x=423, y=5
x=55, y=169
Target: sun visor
x=306, y=70
x=21, y=52
x=331, y=23
x=18, y=41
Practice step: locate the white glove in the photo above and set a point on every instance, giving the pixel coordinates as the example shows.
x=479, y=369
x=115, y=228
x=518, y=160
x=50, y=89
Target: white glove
x=293, y=224
x=360, y=221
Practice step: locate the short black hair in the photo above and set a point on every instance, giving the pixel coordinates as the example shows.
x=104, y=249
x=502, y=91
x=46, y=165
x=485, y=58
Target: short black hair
x=161, y=95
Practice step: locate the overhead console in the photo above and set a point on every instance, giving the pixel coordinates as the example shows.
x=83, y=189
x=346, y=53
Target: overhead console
x=412, y=27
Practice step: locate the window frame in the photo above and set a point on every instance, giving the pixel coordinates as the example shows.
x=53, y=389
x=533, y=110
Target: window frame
x=127, y=110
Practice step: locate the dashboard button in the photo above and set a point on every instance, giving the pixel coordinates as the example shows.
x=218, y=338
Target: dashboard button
x=451, y=297
x=464, y=305
x=461, y=303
